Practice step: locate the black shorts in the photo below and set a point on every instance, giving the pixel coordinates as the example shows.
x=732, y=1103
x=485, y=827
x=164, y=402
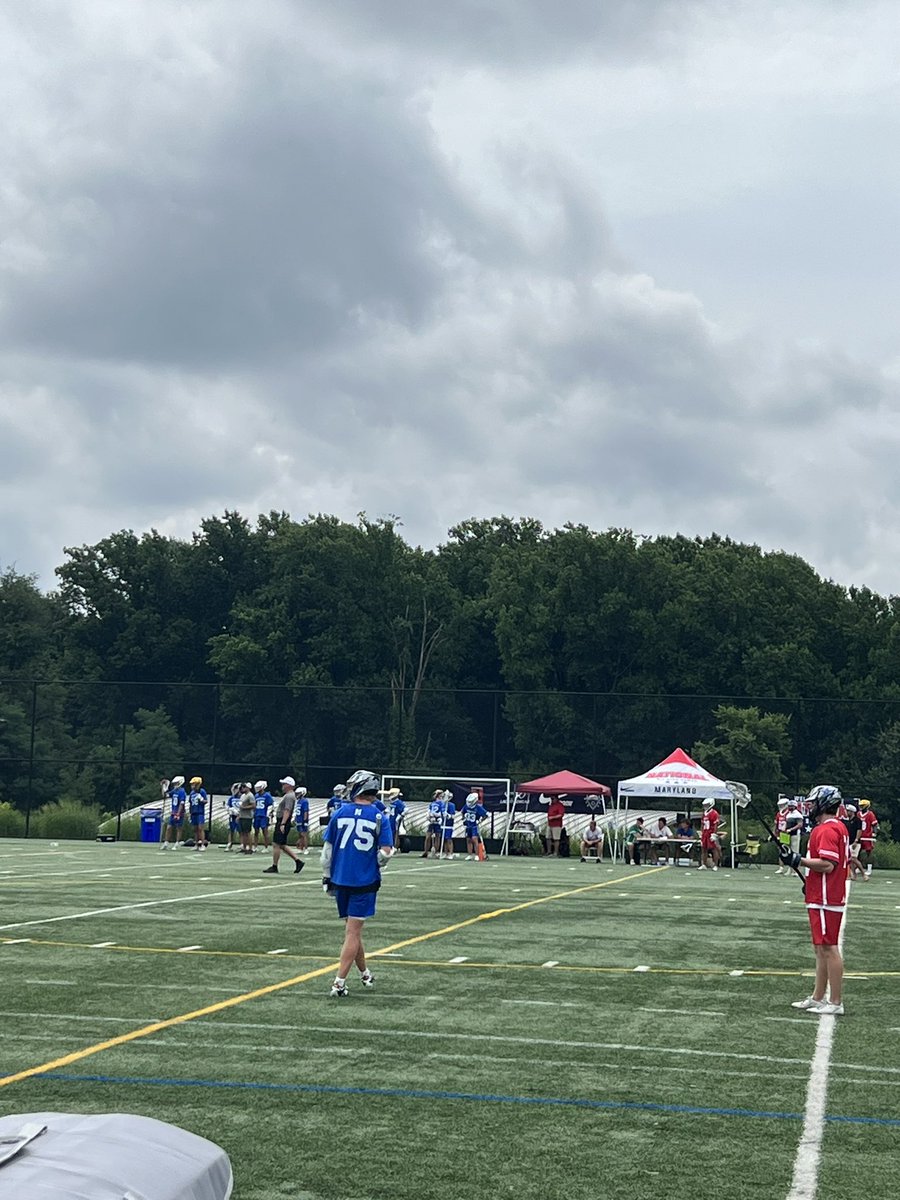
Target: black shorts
x=280, y=835
x=245, y=824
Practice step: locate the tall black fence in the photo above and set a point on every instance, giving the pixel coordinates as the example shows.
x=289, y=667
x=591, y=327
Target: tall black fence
x=109, y=743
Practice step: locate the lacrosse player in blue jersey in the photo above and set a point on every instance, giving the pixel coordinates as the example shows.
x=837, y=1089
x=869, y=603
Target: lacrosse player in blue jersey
x=448, y=817
x=472, y=812
x=336, y=800
x=262, y=806
x=233, y=812
x=356, y=844
x=177, y=797
x=301, y=819
x=435, y=822
x=396, y=809
x=197, y=804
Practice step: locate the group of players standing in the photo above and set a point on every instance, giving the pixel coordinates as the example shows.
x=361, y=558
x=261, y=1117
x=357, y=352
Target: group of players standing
x=793, y=819
x=441, y=819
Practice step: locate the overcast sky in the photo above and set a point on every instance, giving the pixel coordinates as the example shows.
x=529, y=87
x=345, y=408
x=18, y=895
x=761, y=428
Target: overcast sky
x=630, y=264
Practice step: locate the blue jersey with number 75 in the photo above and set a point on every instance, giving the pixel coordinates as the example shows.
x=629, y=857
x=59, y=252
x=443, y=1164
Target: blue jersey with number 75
x=355, y=832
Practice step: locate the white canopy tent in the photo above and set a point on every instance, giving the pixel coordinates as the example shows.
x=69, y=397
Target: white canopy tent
x=681, y=779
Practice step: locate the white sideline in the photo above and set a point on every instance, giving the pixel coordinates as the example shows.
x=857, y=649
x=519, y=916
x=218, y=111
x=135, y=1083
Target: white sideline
x=805, y=1180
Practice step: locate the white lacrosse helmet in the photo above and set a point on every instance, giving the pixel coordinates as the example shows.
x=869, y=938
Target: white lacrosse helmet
x=782, y=802
x=339, y=789
x=260, y=785
x=178, y=781
x=301, y=791
x=709, y=803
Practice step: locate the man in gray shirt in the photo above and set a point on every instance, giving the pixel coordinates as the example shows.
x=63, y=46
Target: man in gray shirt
x=283, y=818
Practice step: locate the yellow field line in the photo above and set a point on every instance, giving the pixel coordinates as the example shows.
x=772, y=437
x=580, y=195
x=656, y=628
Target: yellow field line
x=221, y=1005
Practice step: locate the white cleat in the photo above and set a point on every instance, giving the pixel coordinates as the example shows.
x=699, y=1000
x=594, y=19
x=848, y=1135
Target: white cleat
x=367, y=979
x=825, y=1008
x=808, y=1003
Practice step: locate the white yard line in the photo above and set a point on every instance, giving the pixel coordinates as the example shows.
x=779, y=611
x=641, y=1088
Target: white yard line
x=567, y=1063
x=805, y=1180
x=685, y=1012
x=98, y=912
x=443, y=1035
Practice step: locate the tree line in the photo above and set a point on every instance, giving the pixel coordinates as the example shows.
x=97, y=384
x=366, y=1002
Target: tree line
x=510, y=649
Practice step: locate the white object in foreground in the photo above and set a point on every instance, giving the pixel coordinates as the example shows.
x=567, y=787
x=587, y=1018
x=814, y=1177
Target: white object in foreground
x=111, y=1155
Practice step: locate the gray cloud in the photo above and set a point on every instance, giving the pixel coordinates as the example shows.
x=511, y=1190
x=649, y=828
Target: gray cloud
x=244, y=270
x=521, y=31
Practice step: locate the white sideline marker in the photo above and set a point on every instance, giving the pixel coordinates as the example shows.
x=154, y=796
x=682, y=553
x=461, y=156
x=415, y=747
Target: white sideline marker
x=459, y=959
x=735, y=974
x=15, y=941
x=183, y=949
x=641, y=969
x=277, y=951
x=552, y=963
x=98, y=945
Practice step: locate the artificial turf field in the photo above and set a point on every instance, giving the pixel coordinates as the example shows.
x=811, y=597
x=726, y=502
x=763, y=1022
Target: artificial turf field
x=540, y=1029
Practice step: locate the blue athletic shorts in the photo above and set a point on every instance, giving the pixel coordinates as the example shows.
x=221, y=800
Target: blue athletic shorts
x=197, y=815
x=260, y=822
x=234, y=824
x=303, y=827
x=177, y=822
x=354, y=904
x=435, y=829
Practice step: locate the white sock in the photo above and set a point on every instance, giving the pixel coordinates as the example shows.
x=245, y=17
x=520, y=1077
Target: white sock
x=338, y=982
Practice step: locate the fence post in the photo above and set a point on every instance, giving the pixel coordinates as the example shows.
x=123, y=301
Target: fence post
x=34, y=688
x=495, y=722
x=121, y=787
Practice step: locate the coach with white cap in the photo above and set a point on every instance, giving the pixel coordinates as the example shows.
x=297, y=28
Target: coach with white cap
x=283, y=818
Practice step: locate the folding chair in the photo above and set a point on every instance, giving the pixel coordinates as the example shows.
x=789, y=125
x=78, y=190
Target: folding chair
x=748, y=852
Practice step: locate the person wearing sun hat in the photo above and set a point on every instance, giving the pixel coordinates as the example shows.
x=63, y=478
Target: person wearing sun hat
x=283, y=818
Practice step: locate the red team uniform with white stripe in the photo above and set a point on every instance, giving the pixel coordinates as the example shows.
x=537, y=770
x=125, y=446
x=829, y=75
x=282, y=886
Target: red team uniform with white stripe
x=826, y=894
x=709, y=824
x=868, y=824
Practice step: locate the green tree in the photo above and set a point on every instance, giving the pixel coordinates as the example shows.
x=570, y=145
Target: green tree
x=749, y=746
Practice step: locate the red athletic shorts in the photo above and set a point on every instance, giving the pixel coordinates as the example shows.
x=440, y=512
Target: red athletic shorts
x=867, y=844
x=825, y=925
x=708, y=840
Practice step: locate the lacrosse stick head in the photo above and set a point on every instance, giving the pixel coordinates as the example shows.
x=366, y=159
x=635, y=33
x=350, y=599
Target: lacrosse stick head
x=740, y=792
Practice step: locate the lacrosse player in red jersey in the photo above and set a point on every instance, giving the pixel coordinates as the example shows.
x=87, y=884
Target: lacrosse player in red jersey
x=827, y=865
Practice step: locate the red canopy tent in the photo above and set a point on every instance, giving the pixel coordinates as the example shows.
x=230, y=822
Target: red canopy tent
x=564, y=783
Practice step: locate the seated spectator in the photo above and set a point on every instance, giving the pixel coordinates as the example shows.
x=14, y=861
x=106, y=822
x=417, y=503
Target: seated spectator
x=633, y=842
x=592, y=841
x=684, y=828
x=660, y=832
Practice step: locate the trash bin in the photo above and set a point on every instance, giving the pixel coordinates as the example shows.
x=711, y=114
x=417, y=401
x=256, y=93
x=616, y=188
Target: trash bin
x=151, y=824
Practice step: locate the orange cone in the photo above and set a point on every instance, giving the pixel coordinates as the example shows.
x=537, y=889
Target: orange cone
x=481, y=854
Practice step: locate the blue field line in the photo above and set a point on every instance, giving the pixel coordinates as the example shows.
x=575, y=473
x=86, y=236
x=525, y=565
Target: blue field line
x=479, y=1097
